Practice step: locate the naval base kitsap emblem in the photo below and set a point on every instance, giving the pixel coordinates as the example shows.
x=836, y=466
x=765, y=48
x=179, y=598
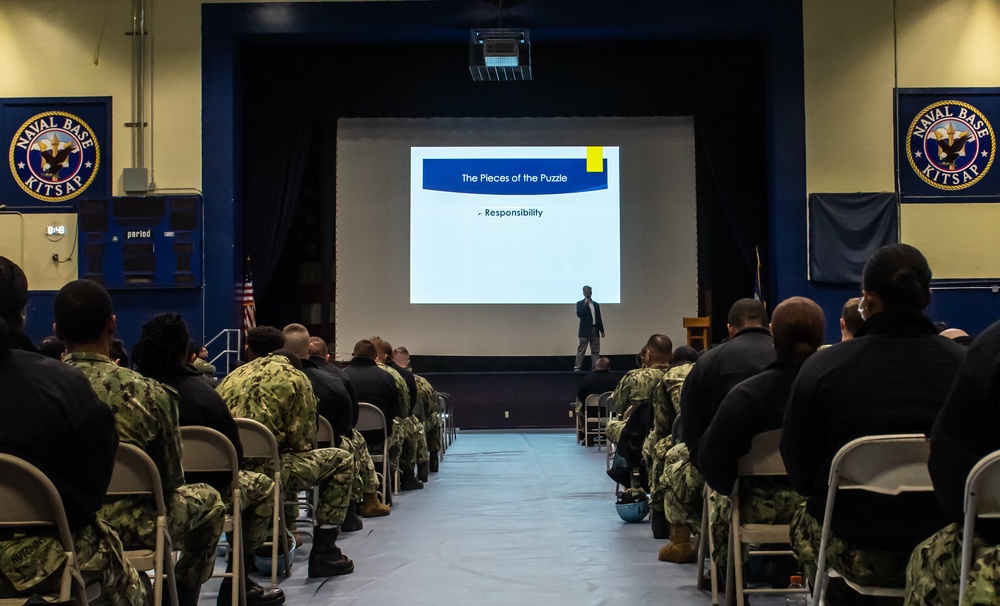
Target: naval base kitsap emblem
x=950, y=145
x=54, y=156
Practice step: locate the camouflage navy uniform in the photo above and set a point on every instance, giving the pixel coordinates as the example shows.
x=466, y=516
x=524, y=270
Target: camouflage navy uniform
x=204, y=367
x=403, y=441
x=429, y=399
x=683, y=488
x=638, y=386
x=365, y=480
x=146, y=416
x=273, y=392
x=863, y=565
x=26, y=562
x=666, y=407
x=763, y=500
x=932, y=576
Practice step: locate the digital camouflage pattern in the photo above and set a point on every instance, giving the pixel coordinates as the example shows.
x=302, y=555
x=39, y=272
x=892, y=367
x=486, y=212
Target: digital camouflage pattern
x=414, y=443
x=683, y=488
x=638, y=385
x=195, y=516
x=146, y=416
x=329, y=469
x=25, y=562
x=204, y=368
x=273, y=392
x=863, y=565
x=932, y=575
x=256, y=507
x=365, y=480
x=666, y=407
x=763, y=500
x=145, y=412
x=404, y=391
x=430, y=399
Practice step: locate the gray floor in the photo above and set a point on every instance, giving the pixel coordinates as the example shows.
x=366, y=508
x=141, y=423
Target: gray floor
x=511, y=518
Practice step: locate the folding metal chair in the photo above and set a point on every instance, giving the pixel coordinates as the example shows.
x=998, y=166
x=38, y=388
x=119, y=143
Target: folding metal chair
x=706, y=547
x=207, y=450
x=889, y=465
x=259, y=443
x=764, y=459
x=594, y=421
x=982, y=500
x=135, y=474
x=31, y=500
x=370, y=418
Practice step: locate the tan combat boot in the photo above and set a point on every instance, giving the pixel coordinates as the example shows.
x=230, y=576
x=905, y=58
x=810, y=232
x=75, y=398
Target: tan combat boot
x=680, y=549
x=371, y=508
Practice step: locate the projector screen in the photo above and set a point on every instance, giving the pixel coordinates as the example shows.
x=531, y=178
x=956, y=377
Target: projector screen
x=446, y=265
x=517, y=213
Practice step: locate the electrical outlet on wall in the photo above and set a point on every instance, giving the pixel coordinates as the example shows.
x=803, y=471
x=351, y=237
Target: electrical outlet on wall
x=506, y=414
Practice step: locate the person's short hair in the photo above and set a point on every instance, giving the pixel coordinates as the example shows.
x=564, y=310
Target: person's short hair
x=685, y=354
x=365, y=349
x=797, y=326
x=297, y=339
x=263, y=340
x=746, y=313
x=401, y=350
x=82, y=310
x=851, y=316
x=52, y=347
x=900, y=276
x=164, y=346
x=293, y=358
x=117, y=353
x=660, y=345
x=383, y=346
x=603, y=363
x=13, y=291
x=318, y=347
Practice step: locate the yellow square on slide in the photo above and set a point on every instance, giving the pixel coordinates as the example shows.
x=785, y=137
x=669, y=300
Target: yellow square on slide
x=595, y=159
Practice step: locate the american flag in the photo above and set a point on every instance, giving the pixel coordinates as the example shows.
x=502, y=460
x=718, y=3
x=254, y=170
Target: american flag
x=249, y=310
x=758, y=291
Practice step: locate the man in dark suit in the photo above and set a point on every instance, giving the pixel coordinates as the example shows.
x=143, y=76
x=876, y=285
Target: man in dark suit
x=591, y=328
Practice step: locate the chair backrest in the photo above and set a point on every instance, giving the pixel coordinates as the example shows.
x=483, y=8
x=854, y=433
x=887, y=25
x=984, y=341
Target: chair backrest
x=135, y=473
x=31, y=500
x=592, y=405
x=889, y=464
x=208, y=450
x=606, y=403
x=370, y=418
x=324, y=431
x=257, y=440
x=764, y=458
x=982, y=500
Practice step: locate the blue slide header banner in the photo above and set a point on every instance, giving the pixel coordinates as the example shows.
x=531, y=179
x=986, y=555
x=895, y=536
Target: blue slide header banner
x=513, y=176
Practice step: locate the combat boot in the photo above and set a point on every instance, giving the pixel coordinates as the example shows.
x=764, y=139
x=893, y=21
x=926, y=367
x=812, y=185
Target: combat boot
x=325, y=558
x=423, y=471
x=371, y=508
x=409, y=481
x=256, y=595
x=658, y=524
x=680, y=549
x=434, y=461
x=352, y=523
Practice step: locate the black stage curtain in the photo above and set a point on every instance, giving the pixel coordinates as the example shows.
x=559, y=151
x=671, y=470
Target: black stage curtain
x=844, y=231
x=276, y=155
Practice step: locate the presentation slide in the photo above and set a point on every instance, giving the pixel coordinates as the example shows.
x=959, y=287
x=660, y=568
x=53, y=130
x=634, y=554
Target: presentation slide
x=448, y=245
x=533, y=224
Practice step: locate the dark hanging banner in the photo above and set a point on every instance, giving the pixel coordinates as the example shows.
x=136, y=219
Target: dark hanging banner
x=845, y=230
x=58, y=149
x=946, y=143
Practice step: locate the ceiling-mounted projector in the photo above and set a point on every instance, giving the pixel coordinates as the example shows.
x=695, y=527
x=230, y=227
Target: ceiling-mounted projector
x=499, y=54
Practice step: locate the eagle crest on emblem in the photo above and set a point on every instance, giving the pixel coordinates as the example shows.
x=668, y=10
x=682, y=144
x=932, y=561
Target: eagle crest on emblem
x=54, y=155
x=951, y=144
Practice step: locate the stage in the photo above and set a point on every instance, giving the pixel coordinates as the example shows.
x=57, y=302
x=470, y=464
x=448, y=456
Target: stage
x=510, y=400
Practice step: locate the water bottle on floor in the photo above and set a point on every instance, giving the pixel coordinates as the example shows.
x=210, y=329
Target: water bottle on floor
x=796, y=599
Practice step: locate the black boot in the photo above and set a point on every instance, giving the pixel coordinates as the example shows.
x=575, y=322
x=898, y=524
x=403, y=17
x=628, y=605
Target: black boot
x=658, y=524
x=434, y=461
x=325, y=558
x=256, y=595
x=409, y=481
x=352, y=523
x=187, y=595
x=423, y=471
